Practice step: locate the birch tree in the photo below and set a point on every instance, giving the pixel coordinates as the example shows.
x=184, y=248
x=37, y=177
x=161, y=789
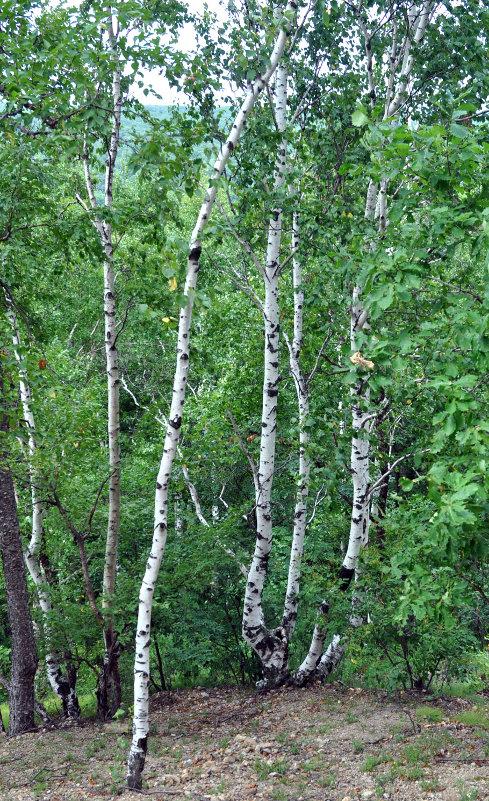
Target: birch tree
x=109, y=692
x=61, y=684
x=139, y=744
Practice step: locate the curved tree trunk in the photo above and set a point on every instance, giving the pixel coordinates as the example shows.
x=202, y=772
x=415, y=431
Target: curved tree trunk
x=63, y=685
x=137, y=754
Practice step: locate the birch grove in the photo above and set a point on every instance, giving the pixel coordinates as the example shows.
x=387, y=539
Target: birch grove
x=329, y=469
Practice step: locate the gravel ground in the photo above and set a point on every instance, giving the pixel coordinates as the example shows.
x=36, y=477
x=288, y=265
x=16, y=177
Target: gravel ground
x=329, y=744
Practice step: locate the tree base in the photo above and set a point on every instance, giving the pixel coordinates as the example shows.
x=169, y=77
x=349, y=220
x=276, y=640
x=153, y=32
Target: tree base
x=135, y=765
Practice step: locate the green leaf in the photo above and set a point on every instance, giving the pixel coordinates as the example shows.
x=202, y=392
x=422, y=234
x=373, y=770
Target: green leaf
x=359, y=118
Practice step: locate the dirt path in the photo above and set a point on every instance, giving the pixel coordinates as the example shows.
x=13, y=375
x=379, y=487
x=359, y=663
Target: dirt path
x=329, y=744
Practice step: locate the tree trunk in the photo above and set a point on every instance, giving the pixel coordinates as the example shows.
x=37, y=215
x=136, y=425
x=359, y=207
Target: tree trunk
x=270, y=645
x=24, y=654
x=109, y=690
x=401, y=61
x=62, y=685
x=137, y=754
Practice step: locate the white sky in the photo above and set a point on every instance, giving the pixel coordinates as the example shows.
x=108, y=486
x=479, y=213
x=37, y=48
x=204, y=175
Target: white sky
x=186, y=43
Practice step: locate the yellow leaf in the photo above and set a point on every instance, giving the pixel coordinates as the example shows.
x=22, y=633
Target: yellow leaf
x=357, y=358
x=172, y=283
x=52, y=394
x=75, y=444
x=166, y=319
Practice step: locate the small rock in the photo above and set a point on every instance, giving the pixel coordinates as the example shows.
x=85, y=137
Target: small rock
x=367, y=794
x=264, y=746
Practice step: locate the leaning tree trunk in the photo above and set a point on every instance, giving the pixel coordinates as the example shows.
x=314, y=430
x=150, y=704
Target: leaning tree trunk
x=109, y=689
x=24, y=653
x=62, y=685
x=137, y=754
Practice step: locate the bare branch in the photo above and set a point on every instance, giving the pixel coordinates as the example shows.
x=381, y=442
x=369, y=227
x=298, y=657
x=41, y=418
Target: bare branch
x=310, y=376
x=320, y=496
x=198, y=511
x=226, y=505
x=390, y=470
x=244, y=450
x=80, y=542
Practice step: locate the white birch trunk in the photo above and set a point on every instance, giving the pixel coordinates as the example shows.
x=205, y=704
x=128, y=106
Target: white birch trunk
x=402, y=60
x=302, y=390
x=271, y=646
x=109, y=691
x=111, y=672
x=59, y=683
x=137, y=754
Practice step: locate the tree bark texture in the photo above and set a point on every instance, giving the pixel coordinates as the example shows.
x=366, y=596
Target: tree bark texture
x=24, y=654
x=401, y=63
x=137, y=754
x=270, y=645
x=109, y=690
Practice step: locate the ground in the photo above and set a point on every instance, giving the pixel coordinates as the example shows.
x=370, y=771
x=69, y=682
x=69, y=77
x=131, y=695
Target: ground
x=328, y=743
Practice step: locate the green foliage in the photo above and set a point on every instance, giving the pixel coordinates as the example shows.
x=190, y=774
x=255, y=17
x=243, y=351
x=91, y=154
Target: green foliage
x=423, y=582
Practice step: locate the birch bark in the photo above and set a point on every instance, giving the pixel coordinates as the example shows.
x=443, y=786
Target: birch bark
x=109, y=690
x=271, y=645
x=401, y=62
x=61, y=684
x=137, y=754
x=302, y=391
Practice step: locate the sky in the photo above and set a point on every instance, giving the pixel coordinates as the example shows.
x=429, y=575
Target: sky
x=186, y=43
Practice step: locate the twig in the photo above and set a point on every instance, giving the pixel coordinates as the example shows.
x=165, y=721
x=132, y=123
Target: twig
x=80, y=541
x=416, y=726
x=226, y=505
x=467, y=760
x=319, y=499
x=320, y=353
x=244, y=449
x=389, y=471
x=457, y=288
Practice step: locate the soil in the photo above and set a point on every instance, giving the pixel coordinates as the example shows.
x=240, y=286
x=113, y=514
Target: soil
x=328, y=743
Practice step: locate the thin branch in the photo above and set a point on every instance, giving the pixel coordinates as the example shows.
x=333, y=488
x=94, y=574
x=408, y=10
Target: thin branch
x=310, y=375
x=129, y=392
x=94, y=507
x=250, y=293
x=457, y=288
x=122, y=323
x=244, y=450
x=198, y=511
x=243, y=242
x=390, y=470
x=226, y=505
x=80, y=542
x=318, y=499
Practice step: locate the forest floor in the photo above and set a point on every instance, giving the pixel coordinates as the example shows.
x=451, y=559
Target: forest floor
x=326, y=743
